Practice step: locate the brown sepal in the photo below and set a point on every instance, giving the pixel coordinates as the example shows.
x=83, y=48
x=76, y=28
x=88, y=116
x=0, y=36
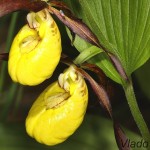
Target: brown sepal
x=117, y=64
x=99, y=72
x=120, y=137
x=60, y=5
x=8, y=6
x=76, y=25
x=99, y=91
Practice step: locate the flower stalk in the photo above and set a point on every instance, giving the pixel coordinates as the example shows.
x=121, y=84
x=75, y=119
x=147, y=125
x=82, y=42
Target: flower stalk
x=134, y=108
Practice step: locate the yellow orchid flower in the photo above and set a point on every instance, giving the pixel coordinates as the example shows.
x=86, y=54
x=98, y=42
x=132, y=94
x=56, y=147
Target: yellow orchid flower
x=36, y=50
x=59, y=110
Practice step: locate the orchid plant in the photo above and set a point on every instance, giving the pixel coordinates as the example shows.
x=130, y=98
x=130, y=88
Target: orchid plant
x=111, y=36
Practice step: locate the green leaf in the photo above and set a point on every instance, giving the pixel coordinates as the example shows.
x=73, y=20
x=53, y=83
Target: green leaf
x=87, y=54
x=122, y=26
x=100, y=59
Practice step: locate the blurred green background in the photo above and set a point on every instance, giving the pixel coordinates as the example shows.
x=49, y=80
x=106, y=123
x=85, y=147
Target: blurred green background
x=95, y=133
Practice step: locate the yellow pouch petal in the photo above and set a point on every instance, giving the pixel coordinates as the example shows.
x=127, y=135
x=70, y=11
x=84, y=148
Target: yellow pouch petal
x=59, y=110
x=36, y=50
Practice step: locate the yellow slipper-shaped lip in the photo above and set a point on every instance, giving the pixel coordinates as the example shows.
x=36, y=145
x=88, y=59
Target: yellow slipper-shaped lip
x=36, y=50
x=59, y=110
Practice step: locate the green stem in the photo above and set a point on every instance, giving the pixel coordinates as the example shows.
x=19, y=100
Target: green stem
x=3, y=74
x=9, y=100
x=8, y=44
x=140, y=122
x=18, y=99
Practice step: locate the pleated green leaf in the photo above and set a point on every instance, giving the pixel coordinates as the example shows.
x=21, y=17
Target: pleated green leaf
x=122, y=26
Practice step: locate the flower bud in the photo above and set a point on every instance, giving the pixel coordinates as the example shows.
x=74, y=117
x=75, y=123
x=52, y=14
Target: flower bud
x=36, y=50
x=59, y=110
